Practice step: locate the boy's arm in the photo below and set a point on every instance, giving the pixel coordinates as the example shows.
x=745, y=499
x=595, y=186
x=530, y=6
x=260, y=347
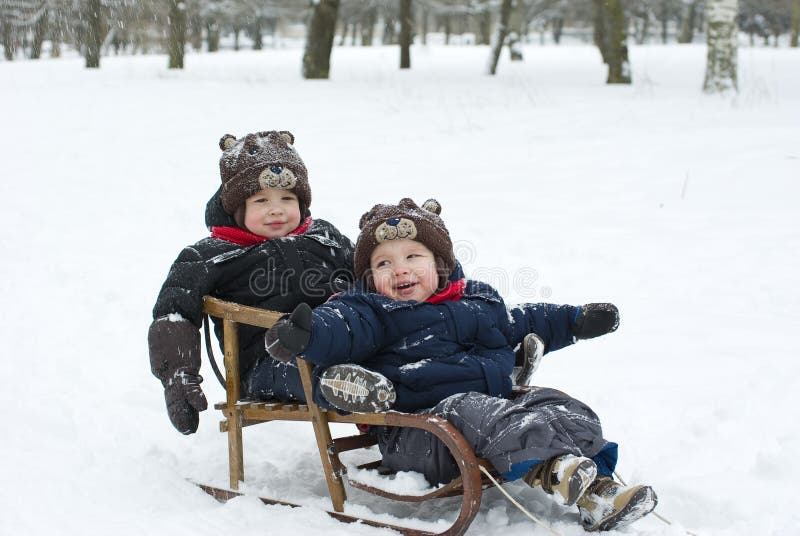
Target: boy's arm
x=174, y=340
x=335, y=332
x=561, y=325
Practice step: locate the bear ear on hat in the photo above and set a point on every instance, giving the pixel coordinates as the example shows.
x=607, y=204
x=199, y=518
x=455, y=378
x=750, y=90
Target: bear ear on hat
x=432, y=205
x=227, y=141
x=286, y=136
x=367, y=216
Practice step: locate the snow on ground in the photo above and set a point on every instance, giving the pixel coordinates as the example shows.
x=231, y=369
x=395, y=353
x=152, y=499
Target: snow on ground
x=679, y=207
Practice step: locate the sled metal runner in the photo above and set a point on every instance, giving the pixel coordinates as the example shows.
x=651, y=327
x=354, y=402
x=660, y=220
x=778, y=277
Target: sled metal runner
x=239, y=413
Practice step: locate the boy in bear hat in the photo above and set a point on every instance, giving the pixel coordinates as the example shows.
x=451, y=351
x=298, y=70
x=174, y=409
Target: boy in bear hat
x=263, y=247
x=418, y=335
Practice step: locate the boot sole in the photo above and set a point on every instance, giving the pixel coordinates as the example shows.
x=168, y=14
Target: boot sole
x=356, y=389
x=641, y=503
x=532, y=346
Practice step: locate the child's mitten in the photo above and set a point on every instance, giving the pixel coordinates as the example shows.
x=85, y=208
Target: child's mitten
x=290, y=334
x=595, y=319
x=175, y=360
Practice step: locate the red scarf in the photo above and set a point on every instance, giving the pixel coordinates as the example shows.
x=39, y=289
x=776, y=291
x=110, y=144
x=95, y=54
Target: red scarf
x=453, y=291
x=246, y=238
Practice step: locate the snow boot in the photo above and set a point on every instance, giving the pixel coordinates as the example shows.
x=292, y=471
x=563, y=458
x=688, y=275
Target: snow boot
x=608, y=505
x=527, y=359
x=355, y=389
x=567, y=475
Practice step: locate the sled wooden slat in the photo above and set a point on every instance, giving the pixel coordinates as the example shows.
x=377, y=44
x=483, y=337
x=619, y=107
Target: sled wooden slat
x=240, y=413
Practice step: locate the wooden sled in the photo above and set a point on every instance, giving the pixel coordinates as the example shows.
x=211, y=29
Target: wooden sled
x=239, y=413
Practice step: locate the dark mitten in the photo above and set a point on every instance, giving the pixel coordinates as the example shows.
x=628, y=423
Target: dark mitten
x=290, y=334
x=175, y=360
x=595, y=319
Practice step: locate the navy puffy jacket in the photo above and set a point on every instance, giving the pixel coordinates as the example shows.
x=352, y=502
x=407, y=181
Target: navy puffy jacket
x=431, y=351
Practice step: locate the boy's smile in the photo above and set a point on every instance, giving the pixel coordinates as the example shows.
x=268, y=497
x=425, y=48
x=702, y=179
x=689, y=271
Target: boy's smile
x=404, y=270
x=272, y=213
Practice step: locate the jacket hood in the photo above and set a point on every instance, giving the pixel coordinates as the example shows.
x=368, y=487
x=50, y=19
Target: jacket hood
x=216, y=215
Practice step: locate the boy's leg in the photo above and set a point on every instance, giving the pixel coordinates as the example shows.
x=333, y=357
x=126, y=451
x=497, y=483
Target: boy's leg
x=609, y=505
x=269, y=379
x=528, y=357
x=356, y=389
x=567, y=475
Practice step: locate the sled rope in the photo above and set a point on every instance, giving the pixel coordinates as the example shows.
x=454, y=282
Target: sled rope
x=662, y=518
x=515, y=503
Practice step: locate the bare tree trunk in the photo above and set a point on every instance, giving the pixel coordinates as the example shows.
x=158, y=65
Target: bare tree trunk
x=558, y=27
x=257, y=33
x=484, y=36
x=642, y=27
x=39, y=30
x=212, y=35
x=447, y=29
x=177, y=33
x=502, y=33
x=368, y=26
x=721, y=42
x=663, y=16
x=423, y=24
x=196, y=31
x=388, y=37
x=689, y=23
x=405, y=34
x=96, y=32
x=55, y=44
x=319, y=42
x=611, y=36
x=515, y=28
x=795, y=22
x=8, y=39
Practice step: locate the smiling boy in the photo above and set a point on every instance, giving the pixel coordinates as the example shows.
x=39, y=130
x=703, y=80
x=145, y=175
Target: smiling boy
x=418, y=335
x=263, y=239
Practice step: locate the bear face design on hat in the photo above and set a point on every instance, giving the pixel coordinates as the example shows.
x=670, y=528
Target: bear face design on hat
x=405, y=220
x=258, y=161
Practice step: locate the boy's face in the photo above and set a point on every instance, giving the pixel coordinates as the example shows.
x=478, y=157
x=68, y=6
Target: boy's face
x=404, y=270
x=272, y=213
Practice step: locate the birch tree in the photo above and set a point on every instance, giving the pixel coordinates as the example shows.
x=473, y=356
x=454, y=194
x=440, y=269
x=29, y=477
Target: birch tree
x=722, y=51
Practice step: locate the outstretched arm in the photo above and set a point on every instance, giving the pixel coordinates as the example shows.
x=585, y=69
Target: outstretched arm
x=562, y=325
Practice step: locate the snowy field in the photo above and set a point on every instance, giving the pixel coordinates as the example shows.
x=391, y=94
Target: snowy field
x=679, y=207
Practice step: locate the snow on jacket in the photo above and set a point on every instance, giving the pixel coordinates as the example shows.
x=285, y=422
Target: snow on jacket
x=276, y=274
x=433, y=350
x=514, y=435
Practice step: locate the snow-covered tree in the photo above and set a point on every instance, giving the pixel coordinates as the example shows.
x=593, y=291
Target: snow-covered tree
x=722, y=51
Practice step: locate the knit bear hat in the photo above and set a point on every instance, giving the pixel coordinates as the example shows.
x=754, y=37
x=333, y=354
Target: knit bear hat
x=404, y=220
x=258, y=161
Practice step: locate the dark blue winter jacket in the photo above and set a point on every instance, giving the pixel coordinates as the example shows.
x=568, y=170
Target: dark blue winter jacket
x=431, y=351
